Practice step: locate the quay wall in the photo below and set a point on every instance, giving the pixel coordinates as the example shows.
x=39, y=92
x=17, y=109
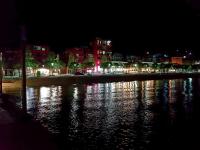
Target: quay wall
x=67, y=79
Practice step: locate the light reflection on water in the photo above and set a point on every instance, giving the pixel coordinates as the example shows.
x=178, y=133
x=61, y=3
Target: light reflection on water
x=119, y=115
x=44, y=104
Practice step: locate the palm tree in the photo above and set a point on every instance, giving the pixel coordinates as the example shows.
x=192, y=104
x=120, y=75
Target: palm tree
x=74, y=66
x=139, y=66
x=177, y=67
x=145, y=66
x=105, y=64
x=72, y=63
x=115, y=65
x=53, y=62
x=195, y=67
x=88, y=63
x=162, y=67
x=154, y=66
x=30, y=62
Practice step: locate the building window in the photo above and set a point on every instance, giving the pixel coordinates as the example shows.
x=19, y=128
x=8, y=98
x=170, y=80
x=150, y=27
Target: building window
x=35, y=47
x=108, y=42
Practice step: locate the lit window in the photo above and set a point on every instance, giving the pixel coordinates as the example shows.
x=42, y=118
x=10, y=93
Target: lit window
x=43, y=49
x=36, y=47
x=108, y=42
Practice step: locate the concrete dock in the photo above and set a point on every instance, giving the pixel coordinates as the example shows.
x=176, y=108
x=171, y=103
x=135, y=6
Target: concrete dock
x=21, y=133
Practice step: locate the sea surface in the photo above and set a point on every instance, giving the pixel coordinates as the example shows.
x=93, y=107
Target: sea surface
x=136, y=115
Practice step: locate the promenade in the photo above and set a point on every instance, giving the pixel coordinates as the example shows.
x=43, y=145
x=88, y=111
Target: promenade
x=73, y=79
x=21, y=133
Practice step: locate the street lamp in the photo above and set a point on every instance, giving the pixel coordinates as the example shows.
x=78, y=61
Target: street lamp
x=52, y=64
x=23, y=51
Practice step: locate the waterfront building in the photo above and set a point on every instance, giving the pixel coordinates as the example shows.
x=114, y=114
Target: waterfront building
x=36, y=55
x=160, y=58
x=177, y=60
x=38, y=51
x=117, y=57
x=82, y=58
x=77, y=58
x=133, y=59
x=11, y=59
x=102, y=51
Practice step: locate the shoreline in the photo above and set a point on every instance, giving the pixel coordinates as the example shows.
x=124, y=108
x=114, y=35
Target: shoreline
x=73, y=79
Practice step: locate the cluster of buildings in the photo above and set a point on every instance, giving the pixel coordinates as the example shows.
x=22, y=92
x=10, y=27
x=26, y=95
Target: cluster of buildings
x=96, y=52
x=72, y=58
x=97, y=57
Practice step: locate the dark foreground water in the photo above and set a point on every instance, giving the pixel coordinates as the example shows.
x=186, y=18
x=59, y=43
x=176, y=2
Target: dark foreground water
x=160, y=114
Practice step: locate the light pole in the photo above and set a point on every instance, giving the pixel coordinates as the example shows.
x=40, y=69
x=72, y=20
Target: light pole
x=52, y=65
x=23, y=50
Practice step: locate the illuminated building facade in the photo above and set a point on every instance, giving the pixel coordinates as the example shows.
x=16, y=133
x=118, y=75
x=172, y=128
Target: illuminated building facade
x=133, y=59
x=39, y=52
x=11, y=58
x=75, y=54
x=98, y=48
x=177, y=60
x=101, y=48
x=117, y=57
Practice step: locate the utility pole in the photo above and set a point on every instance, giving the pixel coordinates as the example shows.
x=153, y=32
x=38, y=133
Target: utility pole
x=23, y=50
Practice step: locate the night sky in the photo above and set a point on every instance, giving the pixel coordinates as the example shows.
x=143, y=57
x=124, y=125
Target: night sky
x=8, y=24
x=132, y=26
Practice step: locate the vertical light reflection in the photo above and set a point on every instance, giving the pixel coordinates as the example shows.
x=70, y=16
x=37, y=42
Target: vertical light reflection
x=171, y=98
x=44, y=94
x=188, y=95
x=190, y=87
x=148, y=100
x=73, y=111
x=30, y=98
x=50, y=96
x=143, y=86
x=44, y=103
x=75, y=94
x=165, y=95
x=170, y=91
x=148, y=92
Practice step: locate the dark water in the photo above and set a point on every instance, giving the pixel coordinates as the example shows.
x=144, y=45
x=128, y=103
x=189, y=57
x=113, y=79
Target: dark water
x=160, y=114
